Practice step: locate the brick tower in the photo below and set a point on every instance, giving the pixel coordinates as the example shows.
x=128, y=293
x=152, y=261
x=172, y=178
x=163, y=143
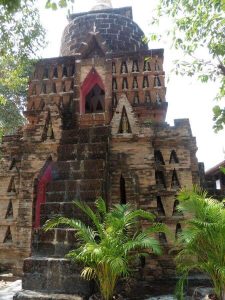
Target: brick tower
x=95, y=126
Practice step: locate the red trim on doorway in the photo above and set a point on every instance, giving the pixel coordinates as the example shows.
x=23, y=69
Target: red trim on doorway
x=90, y=81
x=41, y=193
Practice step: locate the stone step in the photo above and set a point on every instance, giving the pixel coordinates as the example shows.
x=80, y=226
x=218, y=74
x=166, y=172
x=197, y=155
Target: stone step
x=53, y=275
x=78, y=169
x=74, y=185
x=71, y=195
x=53, y=243
x=32, y=295
x=85, y=135
x=65, y=209
x=82, y=151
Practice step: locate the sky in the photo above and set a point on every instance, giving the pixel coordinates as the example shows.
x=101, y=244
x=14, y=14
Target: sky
x=186, y=97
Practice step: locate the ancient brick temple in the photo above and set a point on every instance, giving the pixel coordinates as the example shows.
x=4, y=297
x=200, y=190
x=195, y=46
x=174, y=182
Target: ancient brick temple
x=95, y=126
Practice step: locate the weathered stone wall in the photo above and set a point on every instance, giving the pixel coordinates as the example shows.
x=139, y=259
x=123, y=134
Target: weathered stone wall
x=25, y=154
x=154, y=162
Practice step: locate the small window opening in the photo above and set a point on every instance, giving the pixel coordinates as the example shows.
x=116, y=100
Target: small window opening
x=158, y=157
x=136, y=98
x=45, y=75
x=55, y=72
x=8, y=236
x=178, y=230
x=162, y=238
x=124, y=123
x=160, y=208
x=64, y=74
x=176, y=211
x=94, y=101
x=9, y=212
x=125, y=84
x=218, y=184
x=160, y=180
x=147, y=97
x=175, y=182
x=135, y=83
x=147, y=66
x=113, y=68
x=135, y=67
x=173, y=157
x=124, y=69
x=114, y=84
x=145, y=82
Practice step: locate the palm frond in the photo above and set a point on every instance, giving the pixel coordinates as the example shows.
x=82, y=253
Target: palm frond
x=201, y=245
x=90, y=213
x=138, y=214
x=88, y=273
x=85, y=233
x=101, y=206
x=179, y=290
x=143, y=241
x=157, y=227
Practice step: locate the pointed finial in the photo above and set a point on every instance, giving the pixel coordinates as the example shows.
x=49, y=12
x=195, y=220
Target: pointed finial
x=102, y=4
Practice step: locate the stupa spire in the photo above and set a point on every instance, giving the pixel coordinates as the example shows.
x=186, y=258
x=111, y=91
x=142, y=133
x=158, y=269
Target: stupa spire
x=102, y=4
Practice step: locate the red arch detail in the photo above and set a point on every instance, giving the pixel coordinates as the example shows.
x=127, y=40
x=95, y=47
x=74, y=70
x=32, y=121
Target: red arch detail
x=41, y=193
x=90, y=81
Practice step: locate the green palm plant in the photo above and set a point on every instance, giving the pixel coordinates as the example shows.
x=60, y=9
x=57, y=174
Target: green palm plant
x=107, y=248
x=201, y=245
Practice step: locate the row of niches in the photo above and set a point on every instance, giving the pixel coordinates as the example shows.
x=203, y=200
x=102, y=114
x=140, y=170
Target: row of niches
x=172, y=182
x=53, y=72
x=51, y=87
x=137, y=82
x=135, y=66
x=160, y=160
x=141, y=97
x=40, y=103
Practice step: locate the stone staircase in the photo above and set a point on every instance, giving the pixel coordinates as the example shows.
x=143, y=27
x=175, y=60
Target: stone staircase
x=80, y=173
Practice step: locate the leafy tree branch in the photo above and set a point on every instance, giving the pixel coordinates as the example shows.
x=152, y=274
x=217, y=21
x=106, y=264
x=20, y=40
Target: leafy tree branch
x=198, y=25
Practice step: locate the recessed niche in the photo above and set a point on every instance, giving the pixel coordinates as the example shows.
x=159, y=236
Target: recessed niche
x=145, y=82
x=123, y=69
x=135, y=67
x=113, y=68
x=12, y=187
x=158, y=157
x=8, y=236
x=160, y=179
x=9, y=212
x=157, y=82
x=124, y=123
x=175, y=184
x=160, y=208
x=147, y=66
x=114, y=84
x=173, y=158
x=178, y=230
x=176, y=212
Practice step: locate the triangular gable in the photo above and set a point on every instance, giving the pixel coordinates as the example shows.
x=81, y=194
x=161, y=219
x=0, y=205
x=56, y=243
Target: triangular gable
x=94, y=46
x=124, y=108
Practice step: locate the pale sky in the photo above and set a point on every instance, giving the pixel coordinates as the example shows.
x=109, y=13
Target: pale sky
x=186, y=97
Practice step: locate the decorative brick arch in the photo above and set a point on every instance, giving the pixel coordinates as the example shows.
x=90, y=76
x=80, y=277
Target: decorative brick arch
x=90, y=81
x=44, y=178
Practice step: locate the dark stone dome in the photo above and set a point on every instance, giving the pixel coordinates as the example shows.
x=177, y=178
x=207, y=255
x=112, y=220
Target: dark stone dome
x=115, y=26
